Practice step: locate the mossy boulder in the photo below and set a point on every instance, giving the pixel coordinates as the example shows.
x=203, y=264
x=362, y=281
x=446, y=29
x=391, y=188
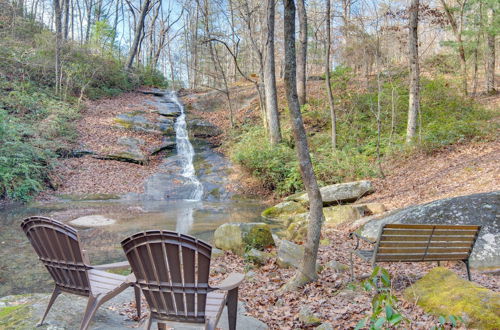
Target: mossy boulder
x=339, y=193
x=335, y=215
x=284, y=210
x=239, y=237
x=442, y=292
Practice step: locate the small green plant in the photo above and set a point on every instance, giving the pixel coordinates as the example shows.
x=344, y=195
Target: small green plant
x=384, y=310
x=451, y=321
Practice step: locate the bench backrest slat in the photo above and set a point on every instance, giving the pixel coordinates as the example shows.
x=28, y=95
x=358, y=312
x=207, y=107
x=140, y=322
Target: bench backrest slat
x=406, y=242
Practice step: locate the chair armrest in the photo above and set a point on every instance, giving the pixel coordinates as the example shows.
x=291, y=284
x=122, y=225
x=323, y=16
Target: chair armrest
x=121, y=264
x=358, y=237
x=231, y=282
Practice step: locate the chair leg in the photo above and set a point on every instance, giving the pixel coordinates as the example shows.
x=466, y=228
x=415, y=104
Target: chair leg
x=232, y=307
x=149, y=322
x=92, y=306
x=466, y=262
x=55, y=294
x=137, y=291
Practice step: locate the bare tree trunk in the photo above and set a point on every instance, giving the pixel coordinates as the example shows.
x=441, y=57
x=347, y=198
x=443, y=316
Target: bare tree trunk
x=89, y=4
x=327, y=75
x=490, y=50
x=302, y=53
x=138, y=33
x=59, y=36
x=457, y=31
x=307, y=271
x=66, y=19
x=273, y=118
x=414, y=99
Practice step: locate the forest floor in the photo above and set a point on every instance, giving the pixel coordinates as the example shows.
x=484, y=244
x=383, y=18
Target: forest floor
x=97, y=132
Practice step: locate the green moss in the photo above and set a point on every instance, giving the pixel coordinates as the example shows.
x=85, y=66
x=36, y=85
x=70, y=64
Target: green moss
x=124, y=123
x=259, y=237
x=284, y=210
x=442, y=292
x=14, y=317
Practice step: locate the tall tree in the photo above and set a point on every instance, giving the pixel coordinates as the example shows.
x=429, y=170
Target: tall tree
x=270, y=79
x=59, y=37
x=457, y=28
x=138, y=33
x=414, y=100
x=333, y=115
x=302, y=53
x=307, y=270
x=490, y=49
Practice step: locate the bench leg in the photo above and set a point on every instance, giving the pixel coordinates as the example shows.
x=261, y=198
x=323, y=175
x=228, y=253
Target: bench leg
x=466, y=262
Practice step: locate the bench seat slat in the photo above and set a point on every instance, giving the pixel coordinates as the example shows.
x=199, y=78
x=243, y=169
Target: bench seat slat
x=420, y=256
x=427, y=232
x=424, y=244
x=405, y=238
x=400, y=250
x=411, y=226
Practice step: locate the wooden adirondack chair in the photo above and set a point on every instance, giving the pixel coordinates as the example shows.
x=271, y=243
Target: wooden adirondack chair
x=58, y=247
x=172, y=270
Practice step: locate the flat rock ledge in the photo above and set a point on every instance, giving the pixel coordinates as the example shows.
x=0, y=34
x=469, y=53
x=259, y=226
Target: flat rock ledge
x=24, y=311
x=91, y=221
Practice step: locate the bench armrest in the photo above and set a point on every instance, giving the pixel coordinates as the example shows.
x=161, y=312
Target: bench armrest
x=358, y=237
x=114, y=265
x=231, y=282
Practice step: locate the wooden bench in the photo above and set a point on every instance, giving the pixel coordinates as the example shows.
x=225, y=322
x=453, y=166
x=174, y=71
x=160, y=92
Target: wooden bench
x=418, y=243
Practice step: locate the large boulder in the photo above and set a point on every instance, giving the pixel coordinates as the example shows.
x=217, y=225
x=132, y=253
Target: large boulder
x=339, y=193
x=170, y=109
x=136, y=121
x=238, y=237
x=478, y=209
x=92, y=221
x=442, y=292
x=283, y=210
x=290, y=254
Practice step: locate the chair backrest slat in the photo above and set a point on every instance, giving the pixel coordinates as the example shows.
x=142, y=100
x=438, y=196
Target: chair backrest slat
x=407, y=242
x=172, y=270
x=58, y=247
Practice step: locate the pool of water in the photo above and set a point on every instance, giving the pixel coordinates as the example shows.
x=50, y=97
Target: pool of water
x=21, y=272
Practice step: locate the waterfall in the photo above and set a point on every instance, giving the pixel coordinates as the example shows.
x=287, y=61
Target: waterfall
x=185, y=151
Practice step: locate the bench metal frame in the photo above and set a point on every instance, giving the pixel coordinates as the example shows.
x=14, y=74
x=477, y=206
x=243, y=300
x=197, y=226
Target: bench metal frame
x=419, y=243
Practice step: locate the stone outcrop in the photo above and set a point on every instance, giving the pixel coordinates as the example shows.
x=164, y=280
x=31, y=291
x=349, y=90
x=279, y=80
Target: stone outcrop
x=478, y=209
x=339, y=193
x=92, y=221
x=442, y=292
x=202, y=129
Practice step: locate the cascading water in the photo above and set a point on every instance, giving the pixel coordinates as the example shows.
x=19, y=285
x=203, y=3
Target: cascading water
x=185, y=151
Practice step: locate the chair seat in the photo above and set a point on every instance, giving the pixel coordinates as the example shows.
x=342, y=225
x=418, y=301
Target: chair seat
x=365, y=254
x=102, y=282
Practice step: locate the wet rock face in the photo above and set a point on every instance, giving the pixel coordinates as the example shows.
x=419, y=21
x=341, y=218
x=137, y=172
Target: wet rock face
x=442, y=292
x=202, y=129
x=339, y=193
x=169, y=109
x=478, y=209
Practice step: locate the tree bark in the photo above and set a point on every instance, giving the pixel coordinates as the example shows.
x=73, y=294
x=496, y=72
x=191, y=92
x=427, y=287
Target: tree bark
x=138, y=33
x=307, y=271
x=59, y=36
x=273, y=118
x=333, y=115
x=457, y=31
x=414, y=99
x=302, y=53
x=490, y=50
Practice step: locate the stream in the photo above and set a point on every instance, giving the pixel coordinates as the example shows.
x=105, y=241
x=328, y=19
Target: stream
x=187, y=195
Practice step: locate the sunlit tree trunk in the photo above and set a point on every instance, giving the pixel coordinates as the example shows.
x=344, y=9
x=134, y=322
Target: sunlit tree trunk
x=490, y=51
x=59, y=36
x=414, y=99
x=307, y=270
x=333, y=115
x=270, y=79
x=302, y=53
